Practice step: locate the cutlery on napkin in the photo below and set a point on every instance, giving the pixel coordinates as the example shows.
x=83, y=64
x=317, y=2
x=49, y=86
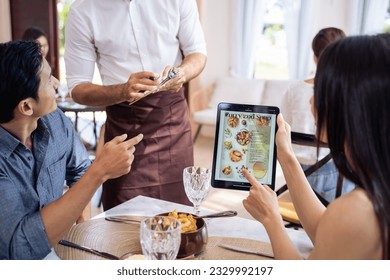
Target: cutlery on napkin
x=245, y=250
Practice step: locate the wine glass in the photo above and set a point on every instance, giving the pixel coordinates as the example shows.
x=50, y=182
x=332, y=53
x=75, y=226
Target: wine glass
x=160, y=237
x=196, y=184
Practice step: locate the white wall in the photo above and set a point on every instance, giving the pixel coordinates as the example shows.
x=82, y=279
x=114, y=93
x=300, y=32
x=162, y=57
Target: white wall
x=5, y=21
x=331, y=13
x=328, y=13
x=215, y=20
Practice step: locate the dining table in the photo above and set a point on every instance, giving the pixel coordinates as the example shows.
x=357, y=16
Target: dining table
x=115, y=238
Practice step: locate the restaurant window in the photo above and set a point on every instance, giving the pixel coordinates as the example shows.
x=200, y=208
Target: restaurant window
x=62, y=10
x=386, y=27
x=271, y=57
x=63, y=7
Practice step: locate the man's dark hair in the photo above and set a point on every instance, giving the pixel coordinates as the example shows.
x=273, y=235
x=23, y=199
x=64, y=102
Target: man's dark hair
x=20, y=67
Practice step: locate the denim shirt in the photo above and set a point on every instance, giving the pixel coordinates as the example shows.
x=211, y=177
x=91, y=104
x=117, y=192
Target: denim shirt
x=30, y=180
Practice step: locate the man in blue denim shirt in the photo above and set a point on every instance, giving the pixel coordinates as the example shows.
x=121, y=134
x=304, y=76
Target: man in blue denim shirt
x=39, y=150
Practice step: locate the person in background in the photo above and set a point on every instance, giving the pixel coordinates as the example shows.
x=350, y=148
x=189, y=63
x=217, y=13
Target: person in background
x=134, y=51
x=350, y=108
x=36, y=33
x=39, y=150
x=296, y=111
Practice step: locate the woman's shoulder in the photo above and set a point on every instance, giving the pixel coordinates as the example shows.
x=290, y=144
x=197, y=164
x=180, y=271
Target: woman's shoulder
x=349, y=229
x=299, y=90
x=300, y=85
x=356, y=204
x=354, y=209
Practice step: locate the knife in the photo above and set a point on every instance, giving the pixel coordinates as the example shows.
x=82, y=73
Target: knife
x=126, y=219
x=87, y=249
x=247, y=251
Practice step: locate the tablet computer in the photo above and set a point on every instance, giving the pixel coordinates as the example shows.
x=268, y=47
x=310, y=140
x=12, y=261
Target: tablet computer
x=244, y=138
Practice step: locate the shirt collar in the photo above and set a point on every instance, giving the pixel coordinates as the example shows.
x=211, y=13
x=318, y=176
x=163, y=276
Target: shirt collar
x=9, y=143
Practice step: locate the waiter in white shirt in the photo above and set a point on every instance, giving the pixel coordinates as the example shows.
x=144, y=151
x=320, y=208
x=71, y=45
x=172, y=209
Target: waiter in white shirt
x=133, y=42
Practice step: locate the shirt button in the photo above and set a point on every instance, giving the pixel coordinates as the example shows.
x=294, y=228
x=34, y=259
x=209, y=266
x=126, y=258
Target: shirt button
x=30, y=158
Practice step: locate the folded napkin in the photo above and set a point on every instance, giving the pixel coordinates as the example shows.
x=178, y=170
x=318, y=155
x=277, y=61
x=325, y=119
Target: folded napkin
x=214, y=252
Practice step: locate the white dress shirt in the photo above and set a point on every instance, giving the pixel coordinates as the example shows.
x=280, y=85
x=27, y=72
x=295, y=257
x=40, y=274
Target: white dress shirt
x=296, y=110
x=127, y=36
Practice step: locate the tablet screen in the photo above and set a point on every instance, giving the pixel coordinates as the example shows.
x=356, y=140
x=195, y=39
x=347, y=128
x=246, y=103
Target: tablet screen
x=245, y=138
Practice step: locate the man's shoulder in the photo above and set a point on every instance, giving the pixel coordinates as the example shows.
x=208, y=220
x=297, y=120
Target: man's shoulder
x=81, y=3
x=82, y=7
x=54, y=116
x=56, y=120
x=95, y=5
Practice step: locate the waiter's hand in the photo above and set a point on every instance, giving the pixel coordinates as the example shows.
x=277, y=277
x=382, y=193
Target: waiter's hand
x=138, y=83
x=176, y=83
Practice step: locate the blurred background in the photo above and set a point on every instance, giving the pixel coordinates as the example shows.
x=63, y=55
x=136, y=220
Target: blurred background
x=267, y=39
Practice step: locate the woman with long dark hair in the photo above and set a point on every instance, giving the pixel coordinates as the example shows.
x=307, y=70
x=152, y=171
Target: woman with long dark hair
x=296, y=111
x=350, y=105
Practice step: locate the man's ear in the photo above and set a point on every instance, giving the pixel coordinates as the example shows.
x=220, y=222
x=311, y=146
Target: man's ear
x=25, y=107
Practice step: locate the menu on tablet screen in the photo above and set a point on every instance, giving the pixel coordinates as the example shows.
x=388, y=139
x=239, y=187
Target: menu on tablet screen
x=245, y=140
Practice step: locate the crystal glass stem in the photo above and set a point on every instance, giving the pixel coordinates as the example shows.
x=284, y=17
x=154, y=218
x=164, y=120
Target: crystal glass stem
x=196, y=209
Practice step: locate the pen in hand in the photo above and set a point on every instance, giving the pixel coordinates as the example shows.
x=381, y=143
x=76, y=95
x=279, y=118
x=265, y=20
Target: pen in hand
x=171, y=74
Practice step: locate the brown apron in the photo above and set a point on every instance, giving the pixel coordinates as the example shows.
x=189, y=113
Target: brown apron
x=159, y=159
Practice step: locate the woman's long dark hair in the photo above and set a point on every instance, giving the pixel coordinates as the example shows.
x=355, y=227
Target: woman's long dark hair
x=352, y=99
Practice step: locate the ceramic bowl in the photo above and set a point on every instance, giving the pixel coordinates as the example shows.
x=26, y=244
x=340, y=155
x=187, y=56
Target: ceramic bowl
x=192, y=242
